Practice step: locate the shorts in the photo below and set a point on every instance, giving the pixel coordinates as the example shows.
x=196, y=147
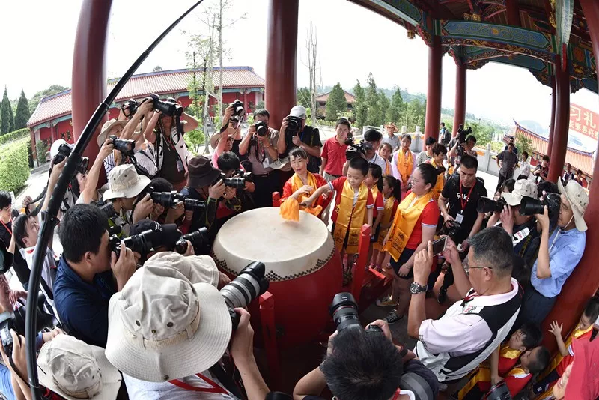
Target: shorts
x=396, y=265
x=346, y=236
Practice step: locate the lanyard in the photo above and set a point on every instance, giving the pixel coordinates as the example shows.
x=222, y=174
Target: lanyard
x=462, y=202
x=215, y=387
x=6, y=227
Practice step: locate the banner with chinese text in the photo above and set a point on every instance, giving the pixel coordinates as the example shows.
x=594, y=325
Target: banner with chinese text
x=584, y=121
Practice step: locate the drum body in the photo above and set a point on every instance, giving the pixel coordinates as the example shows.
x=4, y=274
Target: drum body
x=302, y=266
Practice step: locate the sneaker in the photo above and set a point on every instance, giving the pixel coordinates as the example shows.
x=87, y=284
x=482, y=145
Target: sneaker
x=392, y=317
x=386, y=302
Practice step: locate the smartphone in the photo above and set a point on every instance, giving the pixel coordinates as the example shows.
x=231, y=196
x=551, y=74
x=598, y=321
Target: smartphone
x=439, y=245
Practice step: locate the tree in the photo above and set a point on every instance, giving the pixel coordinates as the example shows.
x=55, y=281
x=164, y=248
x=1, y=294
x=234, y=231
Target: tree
x=53, y=89
x=22, y=113
x=336, y=103
x=415, y=114
x=375, y=112
x=360, y=107
x=303, y=97
x=384, y=104
x=6, y=117
x=394, y=112
x=312, y=50
x=524, y=143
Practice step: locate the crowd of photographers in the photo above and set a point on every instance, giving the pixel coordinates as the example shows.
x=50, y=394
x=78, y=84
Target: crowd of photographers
x=144, y=312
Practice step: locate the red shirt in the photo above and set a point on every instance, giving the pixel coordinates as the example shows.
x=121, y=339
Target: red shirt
x=334, y=153
x=379, y=205
x=429, y=216
x=337, y=186
x=288, y=187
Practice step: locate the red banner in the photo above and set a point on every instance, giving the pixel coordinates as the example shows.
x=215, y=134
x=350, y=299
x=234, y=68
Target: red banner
x=584, y=121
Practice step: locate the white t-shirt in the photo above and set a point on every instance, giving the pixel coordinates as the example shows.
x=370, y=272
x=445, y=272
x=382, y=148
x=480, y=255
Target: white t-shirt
x=48, y=268
x=202, y=386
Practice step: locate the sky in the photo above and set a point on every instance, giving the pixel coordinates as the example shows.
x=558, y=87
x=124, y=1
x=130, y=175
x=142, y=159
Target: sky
x=350, y=46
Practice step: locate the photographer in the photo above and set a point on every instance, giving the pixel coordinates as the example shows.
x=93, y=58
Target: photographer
x=88, y=274
x=125, y=186
x=169, y=146
x=236, y=199
x=559, y=253
x=170, y=327
x=227, y=138
x=59, y=151
x=295, y=133
x=522, y=228
x=403, y=162
x=7, y=244
x=260, y=147
x=372, y=139
x=203, y=183
x=89, y=191
x=364, y=364
x=471, y=329
x=233, y=114
x=460, y=148
x=542, y=170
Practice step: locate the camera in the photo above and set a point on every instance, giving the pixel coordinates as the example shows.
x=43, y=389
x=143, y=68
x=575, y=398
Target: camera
x=145, y=242
x=165, y=107
x=237, y=181
x=463, y=133
x=16, y=322
x=486, y=205
x=530, y=206
x=132, y=105
x=64, y=151
x=125, y=146
x=245, y=288
x=261, y=128
x=294, y=125
x=171, y=199
x=198, y=239
x=355, y=150
x=344, y=311
x=237, y=106
x=499, y=392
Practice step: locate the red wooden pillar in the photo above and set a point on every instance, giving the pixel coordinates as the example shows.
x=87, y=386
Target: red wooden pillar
x=459, y=115
x=552, y=125
x=513, y=12
x=281, y=56
x=89, y=74
x=433, y=99
x=583, y=282
x=562, y=120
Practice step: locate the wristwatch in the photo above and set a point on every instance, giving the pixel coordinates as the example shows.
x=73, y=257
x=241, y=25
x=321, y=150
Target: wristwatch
x=416, y=288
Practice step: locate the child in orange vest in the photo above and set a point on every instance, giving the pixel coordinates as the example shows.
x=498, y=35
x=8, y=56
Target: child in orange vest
x=374, y=182
x=391, y=196
x=505, y=359
x=354, y=206
x=583, y=331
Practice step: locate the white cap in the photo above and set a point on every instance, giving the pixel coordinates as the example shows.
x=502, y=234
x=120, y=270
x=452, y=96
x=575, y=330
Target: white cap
x=522, y=188
x=299, y=112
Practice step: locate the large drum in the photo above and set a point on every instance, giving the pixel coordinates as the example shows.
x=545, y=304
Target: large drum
x=302, y=266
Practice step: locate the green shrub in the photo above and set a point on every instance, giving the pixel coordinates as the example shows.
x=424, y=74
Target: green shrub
x=14, y=166
x=14, y=135
x=41, y=148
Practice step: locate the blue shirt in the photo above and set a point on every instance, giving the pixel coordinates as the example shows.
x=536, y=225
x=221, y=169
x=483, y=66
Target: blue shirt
x=565, y=251
x=83, y=307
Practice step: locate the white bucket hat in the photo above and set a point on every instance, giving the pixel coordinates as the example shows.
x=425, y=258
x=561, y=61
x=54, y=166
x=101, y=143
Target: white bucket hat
x=522, y=188
x=107, y=128
x=76, y=370
x=164, y=325
x=578, y=199
x=124, y=181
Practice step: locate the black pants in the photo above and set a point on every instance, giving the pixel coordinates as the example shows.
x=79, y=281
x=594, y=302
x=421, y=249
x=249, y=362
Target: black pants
x=266, y=185
x=503, y=178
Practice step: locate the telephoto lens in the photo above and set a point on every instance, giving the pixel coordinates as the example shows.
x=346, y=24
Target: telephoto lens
x=344, y=311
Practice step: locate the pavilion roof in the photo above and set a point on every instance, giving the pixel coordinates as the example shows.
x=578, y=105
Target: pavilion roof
x=579, y=159
x=349, y=98
x=141, y=85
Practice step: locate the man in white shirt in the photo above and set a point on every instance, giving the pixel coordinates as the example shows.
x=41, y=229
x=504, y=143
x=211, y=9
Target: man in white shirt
x=472, y=328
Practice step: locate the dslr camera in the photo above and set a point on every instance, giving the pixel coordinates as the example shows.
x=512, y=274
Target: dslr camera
x=237, y=181
x=171, y=199
x=237, y=106
x=245, y=288
x=486, y=205
x=463, y=133
x=169, y=108
x=261, y=128
x=132, y=105
x=344, y=311
x=125, y=146
x=142, y=243
x=355, y=150
x=64, y=151
x=530, y=206
x=198, y=239
x=294, y=125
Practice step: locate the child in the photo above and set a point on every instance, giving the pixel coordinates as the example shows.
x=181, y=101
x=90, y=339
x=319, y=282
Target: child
x=544, y=387
x=391, y=196
x=353, y=205
x=385, y=151
x=304, y=183
x=504, y=359
x=439, y=153
x=374, y=182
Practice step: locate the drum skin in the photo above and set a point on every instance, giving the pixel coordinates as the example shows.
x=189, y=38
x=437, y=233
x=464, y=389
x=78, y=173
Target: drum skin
x=302, y=265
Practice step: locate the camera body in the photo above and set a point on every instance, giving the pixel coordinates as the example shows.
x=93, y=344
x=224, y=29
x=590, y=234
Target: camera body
x=171, y=199
x=165, y=107
x=132, y=105
x=237, y=107
x=294, y=125
x=261, y=128
x=486, y=205
x=198, y=239
x=64, y=151
x=463, y=133
x=357, y=150
x=140, y=243
x=125, y=146
x=237, y=181
x=553, y=201
x=245, y=288
x=344, y=311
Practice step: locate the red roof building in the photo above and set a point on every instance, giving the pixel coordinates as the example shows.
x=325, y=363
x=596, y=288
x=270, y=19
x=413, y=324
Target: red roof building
x=578, y=159
x=321, y=102
x=52, y=119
